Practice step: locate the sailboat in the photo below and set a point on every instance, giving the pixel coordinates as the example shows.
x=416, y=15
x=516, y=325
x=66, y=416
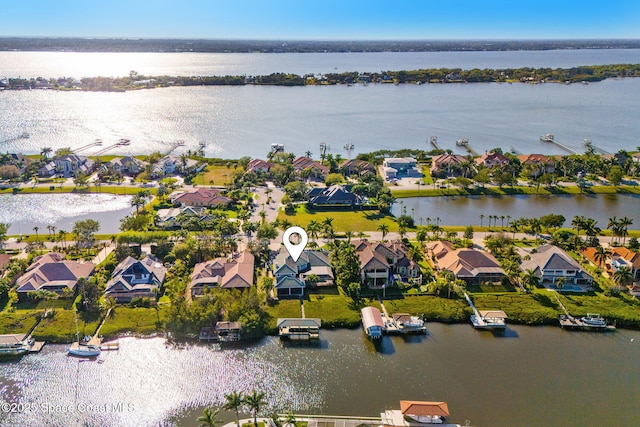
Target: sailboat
x=82, y=349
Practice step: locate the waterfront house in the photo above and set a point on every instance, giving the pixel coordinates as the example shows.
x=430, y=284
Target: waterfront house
x=73, y=164
x=318, y=171
x=538, y=163
x=47, y=170
x=416, y=413
x=382, y=263
x=51, y=272
x=134, y=278
x=617, y=257
x=172, y=218
x=356, y=167
x=447, y=164
x=310, y=262
x=127, y=165
x=259, y=166
x=235, y=272
x=491, y=159
x=201, y=197
x=334, y=196
x=471, y=265
x=173, y=164
x=550, y=262
x=396, y=167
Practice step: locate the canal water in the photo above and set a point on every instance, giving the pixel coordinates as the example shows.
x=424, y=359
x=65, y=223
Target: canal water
x=529, y=376
x=62, y=210
x=457, y=210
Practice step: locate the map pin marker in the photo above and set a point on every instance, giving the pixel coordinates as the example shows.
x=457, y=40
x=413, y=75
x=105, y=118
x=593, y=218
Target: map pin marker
x=295, y=250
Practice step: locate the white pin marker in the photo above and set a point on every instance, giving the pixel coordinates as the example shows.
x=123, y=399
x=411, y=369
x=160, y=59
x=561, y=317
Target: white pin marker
x=295, y=250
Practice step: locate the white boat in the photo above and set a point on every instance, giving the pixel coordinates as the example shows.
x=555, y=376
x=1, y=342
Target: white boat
x=82, y=348
x=547, y=138
x=595, y=320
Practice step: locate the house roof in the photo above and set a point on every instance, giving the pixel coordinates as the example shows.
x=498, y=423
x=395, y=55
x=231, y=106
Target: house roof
x=371, y=317
x=304, y=162
x=284, y=322
x=202, y=196
x=492, y=157
x=285, y=282
x=52, y=270
x=130, y=268
x=377, y=254
x=4, y=260
x=234, y=273
x=535, y=159
x=419, y=408
x=626, y=254
x=336, y=194
x=465, y=263
x=256, y=164
x=354, y=165
x=498, y=314
x=550, y=257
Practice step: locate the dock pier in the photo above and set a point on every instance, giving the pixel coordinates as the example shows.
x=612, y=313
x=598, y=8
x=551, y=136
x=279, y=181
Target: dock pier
x=551, y=139
x=434, y=143
x=567, y=321
x=486, y=319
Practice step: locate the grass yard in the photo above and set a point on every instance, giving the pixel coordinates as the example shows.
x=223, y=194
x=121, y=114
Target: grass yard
x=342, y=220
x=220, y=175
x=399, y=193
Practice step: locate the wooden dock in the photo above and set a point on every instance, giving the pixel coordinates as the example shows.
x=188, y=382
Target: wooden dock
x=551, y=139
x=36, y=347
x=486, y=319
x=567, y=321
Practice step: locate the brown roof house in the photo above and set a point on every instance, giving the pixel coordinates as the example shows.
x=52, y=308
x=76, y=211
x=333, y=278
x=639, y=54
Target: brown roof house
x=382, y=263
x=207, y=197
x=259, y=166
x=236, y=272
x=447, y=164
x=52, y=272
x=539, y=163
x=357, y=167
x=471, y=265
x=134, y=278
x=317, y=170
x=618, y=257
x=491, y=159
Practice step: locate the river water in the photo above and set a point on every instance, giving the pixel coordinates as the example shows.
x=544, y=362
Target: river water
x=452, y=210
x=239, y=121
x=533, y=376
x=26, y=211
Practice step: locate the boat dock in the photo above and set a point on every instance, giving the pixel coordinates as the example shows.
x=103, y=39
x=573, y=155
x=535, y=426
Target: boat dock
x=589, y=145
x=297, y=329
x=434, y=143
x=486, y=319
x=401, y=323
x=551, y=139
x=590, y=323
x=464, y=142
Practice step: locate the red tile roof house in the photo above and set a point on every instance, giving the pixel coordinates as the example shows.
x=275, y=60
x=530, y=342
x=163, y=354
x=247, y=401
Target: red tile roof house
x=237, y=272
x=492, y=159
x=258, y=165
x=382, y=263
x=471, y=265
x=447, y=164
x=52, y=272
x=301, y=163
x=415, y=413
x=136, y=279
x=537, y=162
x=207, y=197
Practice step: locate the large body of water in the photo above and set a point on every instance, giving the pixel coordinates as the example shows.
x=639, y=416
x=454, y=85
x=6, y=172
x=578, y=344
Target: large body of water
x=467, y=210
x=26, y=211
x=530, y=376
x=238, y=121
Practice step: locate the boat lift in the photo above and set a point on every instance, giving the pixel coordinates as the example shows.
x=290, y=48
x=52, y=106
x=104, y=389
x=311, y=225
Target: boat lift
x=588, y=144
x=121, y=143
x=96, y=143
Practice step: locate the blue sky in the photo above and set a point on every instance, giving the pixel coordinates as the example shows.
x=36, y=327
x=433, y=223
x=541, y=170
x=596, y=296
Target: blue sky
x=323, y=20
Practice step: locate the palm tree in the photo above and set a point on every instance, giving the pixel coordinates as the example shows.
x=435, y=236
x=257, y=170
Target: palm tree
x=313, y=228
x=208, y=418
x=614, y=225
x=578, y=223
x=622, y=276
x=600, y=255
x=560, y=282
x=234, y=401
x=254, y=401
x=625, y=222
x=502, y=217
x=45, y=151
x=529, y=278
x=36, y=228
x=481, y=218
x=384, y=229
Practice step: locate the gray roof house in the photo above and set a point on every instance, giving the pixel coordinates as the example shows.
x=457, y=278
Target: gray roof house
x=136, y=278
x=336, y=195
x=291, y=276
x=549, y=262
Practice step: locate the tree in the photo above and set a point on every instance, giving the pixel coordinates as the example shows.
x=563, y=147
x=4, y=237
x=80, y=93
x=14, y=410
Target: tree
x=84, y=231
x=600, y=255
x=45, y=151
x=36, y=228
x=578, y=222
x=560, y=282
x=234, y=401
x=255, y=401
x=625, y=222
x=209, y=418
x=384, y=229
x=346, y=264
x=615, y=175
x=529, y=279
x=333, y=178
x=622, y=276
x=4, y=228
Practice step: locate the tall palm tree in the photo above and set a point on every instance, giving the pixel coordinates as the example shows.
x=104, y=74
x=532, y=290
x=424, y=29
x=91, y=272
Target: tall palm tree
x=529, y=278
x=600, y=255
x=578, y=223
x=622, y=276
x=614, y=225
x=481, y=218
x=208, y=418
x=625, y=222
x=234, y=401
x=255, y=401
x=36, y=228
x=384, y=229
x=313, y=228
x=45, y=151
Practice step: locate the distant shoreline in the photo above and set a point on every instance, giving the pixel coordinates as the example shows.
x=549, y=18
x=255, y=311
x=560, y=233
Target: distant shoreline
x=56, y=44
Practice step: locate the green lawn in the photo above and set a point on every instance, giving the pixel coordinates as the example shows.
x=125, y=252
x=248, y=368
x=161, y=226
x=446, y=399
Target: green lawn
x=342, y=220
x=220, y=175
x=399, y=193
